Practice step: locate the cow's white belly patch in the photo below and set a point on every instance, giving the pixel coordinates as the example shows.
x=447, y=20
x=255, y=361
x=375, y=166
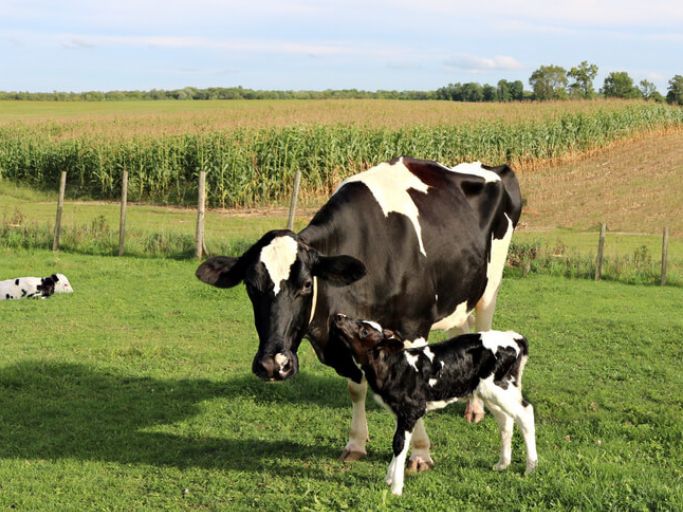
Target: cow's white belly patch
x=456, y=319
x=278, y=257
x=389, y=184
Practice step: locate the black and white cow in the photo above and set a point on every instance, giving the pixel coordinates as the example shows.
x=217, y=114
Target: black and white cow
x=486, y=365
x=34, y=287
x=411, y=243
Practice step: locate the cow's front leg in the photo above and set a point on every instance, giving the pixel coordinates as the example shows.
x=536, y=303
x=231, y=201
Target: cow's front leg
x=420, y=458
x=400, y=445
x=358, y=435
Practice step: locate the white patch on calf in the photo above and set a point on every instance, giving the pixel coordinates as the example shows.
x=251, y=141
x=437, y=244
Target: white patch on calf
x=389, y=184
x=493, y=340
x=278, y=257
x=20, y=287
x=63, y=285
x=417, y=343
x=429, y=354
x=456, y=319
x=476, y=169
x=432, y=382
x=440, y=404
x=412, y=360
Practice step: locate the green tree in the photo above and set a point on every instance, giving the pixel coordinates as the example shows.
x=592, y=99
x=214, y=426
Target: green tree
x=583, y=76
x=517, y=90
x=619, y=84
x=675, y=94
x=549, y=83
x=488, y=92
x=647, y=88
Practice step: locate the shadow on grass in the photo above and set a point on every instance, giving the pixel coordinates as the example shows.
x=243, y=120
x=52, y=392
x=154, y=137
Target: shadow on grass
x=52, y=411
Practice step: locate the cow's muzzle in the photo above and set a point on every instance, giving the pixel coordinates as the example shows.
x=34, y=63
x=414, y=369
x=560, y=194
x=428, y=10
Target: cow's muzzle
x=279, y=366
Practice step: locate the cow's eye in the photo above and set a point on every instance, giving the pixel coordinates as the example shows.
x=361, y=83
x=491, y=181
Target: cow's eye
x=363, y=332
x=308, y=284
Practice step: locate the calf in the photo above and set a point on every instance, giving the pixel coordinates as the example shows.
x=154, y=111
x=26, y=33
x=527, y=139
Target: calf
x=411, y=381
x=37, y=287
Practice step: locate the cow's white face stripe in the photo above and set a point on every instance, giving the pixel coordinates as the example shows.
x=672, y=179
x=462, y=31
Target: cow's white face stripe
x=475, y=169
x=278, y=257
x=389, y=185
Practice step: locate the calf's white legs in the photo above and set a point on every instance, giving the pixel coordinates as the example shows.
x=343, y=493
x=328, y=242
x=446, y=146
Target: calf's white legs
x=396, y=471
x=508, y=407
x=358, y=434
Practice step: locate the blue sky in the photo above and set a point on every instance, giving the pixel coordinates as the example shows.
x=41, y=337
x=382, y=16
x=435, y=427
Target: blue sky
x=77, y=45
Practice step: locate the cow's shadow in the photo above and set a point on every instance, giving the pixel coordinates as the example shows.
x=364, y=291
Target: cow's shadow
x=59, y=410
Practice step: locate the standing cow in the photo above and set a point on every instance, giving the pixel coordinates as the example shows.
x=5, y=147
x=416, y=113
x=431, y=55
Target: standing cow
x=410, y=243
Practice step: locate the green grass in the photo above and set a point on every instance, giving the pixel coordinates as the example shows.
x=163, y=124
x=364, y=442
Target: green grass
x=134, y=393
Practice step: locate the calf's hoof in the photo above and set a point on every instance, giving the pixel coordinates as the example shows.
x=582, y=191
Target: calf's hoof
x=530, y=467
x=418, y=464
x=351, y=455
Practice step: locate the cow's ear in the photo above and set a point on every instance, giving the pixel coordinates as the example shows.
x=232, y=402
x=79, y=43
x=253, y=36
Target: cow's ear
x=54, y=277
x=221, y=271
x=339, y=270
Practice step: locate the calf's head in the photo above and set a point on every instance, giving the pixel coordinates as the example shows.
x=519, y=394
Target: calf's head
x=366, y=339
x=279, y=272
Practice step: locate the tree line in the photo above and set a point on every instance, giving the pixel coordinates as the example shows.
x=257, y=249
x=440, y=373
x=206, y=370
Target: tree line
x=548, y=82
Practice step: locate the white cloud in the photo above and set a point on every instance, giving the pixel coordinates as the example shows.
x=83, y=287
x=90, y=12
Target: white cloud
x=480, y=64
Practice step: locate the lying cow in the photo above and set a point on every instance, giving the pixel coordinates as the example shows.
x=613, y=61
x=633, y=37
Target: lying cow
x=486, y=365
x=34, y=287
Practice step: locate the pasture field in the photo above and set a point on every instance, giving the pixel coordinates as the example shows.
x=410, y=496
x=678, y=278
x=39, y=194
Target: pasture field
x=135, y=393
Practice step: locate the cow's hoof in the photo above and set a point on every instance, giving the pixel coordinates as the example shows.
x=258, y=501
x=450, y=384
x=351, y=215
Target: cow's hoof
x=351, y=455
x=531, y=467
x=419, y=465
x=501, y=466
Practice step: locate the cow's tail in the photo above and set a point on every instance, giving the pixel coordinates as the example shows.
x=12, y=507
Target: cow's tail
x=513, y=203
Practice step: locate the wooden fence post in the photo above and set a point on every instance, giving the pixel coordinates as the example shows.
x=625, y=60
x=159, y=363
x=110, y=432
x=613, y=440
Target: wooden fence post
x=601, y=252
x=122, y=218
x=665, y=255
x=60, y=209
x=292, y=204
x=199, y=252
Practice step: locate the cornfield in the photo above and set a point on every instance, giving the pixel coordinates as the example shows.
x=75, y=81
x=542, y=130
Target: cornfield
x=250, y=166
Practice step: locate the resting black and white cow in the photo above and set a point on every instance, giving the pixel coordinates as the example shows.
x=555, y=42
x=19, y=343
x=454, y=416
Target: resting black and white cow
x=486, y=365
x=34, y=287
x=410, y=243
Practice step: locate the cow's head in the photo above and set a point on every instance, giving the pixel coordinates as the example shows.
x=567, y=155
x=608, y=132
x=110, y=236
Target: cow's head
x=279, y=273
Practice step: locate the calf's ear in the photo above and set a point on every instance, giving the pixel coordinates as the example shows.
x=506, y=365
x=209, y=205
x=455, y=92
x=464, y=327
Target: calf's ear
x=339, y=270
x=221, y=271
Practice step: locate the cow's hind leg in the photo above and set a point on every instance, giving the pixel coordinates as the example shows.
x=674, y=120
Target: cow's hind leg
x=420, y=458
x=358, y=435
x=505, y=426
